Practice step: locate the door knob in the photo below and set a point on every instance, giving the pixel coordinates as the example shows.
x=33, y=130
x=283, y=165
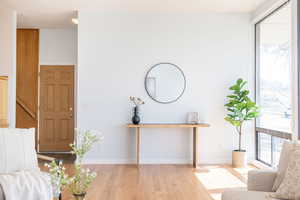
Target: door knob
x=71, y=112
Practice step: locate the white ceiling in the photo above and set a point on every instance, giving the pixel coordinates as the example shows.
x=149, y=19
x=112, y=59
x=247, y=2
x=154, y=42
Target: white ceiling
x=58, y=13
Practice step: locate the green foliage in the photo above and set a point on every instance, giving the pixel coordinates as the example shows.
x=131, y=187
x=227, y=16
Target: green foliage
x=83, y=178
x=59, y=178
x=84, y=144
x=240, y=107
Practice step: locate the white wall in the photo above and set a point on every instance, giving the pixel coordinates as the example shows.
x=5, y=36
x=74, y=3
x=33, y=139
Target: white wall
x=58, y=46
x=115, y=52
x=8, y=57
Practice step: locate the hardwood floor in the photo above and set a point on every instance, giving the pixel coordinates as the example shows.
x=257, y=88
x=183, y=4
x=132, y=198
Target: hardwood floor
x=163, y=182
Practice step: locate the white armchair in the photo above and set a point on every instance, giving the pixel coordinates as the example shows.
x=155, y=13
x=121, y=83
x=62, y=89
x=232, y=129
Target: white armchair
x=263, y=182
x=260, y=183
x=17, y=153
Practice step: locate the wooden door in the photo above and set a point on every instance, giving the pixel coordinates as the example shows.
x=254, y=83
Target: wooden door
x=56, y=123
x=27, y=78
x=3, y=101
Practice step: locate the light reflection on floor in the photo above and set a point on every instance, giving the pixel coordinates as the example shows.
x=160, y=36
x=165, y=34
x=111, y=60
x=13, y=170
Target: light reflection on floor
x=217, y=179
x=216, y=196
x=244, y=171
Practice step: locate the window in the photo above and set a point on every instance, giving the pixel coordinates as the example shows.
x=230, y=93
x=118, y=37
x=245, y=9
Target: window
x=273, y=84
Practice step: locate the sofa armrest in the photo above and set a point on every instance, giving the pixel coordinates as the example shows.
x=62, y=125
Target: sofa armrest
x=45, y=158
x=48, y=158
x=261, y=180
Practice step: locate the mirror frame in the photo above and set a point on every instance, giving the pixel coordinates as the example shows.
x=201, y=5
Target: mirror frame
x=180, y=70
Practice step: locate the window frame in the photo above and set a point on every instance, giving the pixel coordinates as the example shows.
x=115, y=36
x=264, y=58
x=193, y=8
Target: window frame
x=298, y=64
x=257, y=130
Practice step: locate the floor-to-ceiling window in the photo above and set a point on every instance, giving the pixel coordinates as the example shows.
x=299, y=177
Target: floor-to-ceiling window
x=273, y=83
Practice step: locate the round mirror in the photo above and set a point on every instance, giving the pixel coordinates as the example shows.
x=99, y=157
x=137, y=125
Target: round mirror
x=165, y=83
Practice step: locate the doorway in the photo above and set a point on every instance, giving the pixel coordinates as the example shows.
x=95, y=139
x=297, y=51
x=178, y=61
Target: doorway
x=56, y=108
x=27, y=78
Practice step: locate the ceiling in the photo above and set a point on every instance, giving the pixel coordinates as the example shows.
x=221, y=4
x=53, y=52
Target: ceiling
x=58, y=13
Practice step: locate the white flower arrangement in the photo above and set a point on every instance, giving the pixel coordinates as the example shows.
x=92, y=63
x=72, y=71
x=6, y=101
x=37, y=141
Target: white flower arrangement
x=83, y=178
x=59, y=178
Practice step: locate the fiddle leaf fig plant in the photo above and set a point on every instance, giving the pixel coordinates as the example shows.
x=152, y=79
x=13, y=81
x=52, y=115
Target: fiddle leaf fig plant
x=240, y=108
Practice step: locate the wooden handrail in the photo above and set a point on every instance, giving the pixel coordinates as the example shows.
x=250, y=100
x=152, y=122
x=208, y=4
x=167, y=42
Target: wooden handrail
x=5, y=78
x=26, y=109
x=46, y=158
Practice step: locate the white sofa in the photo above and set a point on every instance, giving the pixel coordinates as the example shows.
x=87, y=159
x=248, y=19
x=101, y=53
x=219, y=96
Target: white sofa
x=1, y=194
x=17, y=153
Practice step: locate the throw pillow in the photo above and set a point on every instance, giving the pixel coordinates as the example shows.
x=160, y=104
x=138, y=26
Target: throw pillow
x=17, y=150
x=287, y=149
x=290, y=185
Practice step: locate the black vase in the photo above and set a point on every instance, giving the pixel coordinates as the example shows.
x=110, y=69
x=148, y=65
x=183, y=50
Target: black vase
x=136, y=118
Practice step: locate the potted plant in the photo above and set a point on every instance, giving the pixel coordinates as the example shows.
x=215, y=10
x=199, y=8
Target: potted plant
x=240, y=108
x=83, y=177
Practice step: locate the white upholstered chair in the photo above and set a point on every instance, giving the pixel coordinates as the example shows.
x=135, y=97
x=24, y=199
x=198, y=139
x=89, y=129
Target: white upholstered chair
x=261, y=183
x=17, y=153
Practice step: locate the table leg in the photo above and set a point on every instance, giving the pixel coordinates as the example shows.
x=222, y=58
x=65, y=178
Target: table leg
x=138, y=140
x=195, y=147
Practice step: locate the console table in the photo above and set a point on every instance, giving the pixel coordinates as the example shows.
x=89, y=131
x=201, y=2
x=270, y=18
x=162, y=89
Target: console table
x=194, y=127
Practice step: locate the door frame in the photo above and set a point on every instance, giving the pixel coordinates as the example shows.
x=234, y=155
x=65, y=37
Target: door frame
x=74, y=106
x=6, y=124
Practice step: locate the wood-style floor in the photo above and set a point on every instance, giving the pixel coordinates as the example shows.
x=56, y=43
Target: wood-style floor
x=163, y=182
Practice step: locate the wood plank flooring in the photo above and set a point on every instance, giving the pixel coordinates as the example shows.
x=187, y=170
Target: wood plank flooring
x=162, y=182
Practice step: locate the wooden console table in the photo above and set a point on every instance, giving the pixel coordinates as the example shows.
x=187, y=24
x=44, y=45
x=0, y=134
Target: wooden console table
x=194, y=127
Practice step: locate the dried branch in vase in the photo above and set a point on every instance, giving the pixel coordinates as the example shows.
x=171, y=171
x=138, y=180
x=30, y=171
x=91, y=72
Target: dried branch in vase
x=136, y=100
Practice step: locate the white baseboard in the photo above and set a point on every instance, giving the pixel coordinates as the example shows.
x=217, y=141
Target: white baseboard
x=166, y=161
x=157, y=161
x=108, y=161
